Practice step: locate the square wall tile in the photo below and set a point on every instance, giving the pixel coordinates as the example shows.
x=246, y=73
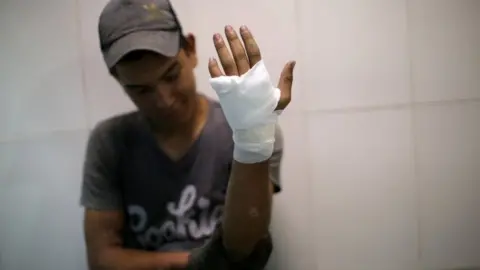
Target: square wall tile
x=291, y=219
x=41, y=224
x=104, y=95
x=354, y=53
x=445, y=38
x=448, y=164
x=272, y=22
x=40, y=68
x=363, y=190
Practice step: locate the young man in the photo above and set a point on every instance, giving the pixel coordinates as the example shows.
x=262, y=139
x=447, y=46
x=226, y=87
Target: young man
x=155, y=180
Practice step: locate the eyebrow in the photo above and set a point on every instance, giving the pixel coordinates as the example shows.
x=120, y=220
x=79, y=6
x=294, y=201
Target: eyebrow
x=172, y=66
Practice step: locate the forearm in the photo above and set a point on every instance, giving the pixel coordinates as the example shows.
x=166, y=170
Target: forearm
x=116, y=258
x=247, y=208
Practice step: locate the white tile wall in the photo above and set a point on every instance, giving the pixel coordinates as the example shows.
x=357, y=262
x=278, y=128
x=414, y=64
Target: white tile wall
x=363, y=189
x=40, y=69
x=445, y=40
x=448, y=164
x=292, y=220
x=371, y=180
x=354, y=53
x=41, y=219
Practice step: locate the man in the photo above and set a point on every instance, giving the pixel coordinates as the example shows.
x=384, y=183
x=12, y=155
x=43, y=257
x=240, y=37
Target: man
x=155, y=180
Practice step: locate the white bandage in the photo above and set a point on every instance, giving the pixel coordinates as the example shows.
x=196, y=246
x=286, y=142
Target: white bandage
x=249, y=103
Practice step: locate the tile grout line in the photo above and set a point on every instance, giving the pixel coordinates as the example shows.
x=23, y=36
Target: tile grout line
x=305, y=112
x=312, y=245
x=41, y=135
x=413, y=133
x=82, y=56
x=397, y=106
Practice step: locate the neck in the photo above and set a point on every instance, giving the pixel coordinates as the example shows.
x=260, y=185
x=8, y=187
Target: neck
x=187, y=129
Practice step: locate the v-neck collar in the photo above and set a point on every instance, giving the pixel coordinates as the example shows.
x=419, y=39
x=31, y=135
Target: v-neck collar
x=188, y=158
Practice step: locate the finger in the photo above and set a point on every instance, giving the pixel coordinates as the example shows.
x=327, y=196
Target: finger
x=253, y=52
x=214, y=69
x=285, y=85
x=224, y=55
x=237, y=49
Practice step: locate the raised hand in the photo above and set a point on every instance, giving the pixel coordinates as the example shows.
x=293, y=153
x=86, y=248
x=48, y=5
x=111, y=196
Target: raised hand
x=242, y=59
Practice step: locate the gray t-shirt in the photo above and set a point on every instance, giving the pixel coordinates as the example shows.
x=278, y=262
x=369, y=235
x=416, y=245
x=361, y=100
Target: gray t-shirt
x=169, y=205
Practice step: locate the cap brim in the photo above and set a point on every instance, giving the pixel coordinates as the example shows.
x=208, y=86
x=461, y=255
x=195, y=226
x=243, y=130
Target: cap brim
x=165, y=43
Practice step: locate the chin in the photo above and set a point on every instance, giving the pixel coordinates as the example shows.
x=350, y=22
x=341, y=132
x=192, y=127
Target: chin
x=190, y=108
x=182, y=114
x=188, y=115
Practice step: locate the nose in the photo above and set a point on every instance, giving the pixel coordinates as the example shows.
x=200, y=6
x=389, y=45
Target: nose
x=164, y=97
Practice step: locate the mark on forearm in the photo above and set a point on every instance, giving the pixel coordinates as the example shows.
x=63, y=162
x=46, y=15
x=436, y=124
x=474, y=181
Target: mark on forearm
x=254, y=212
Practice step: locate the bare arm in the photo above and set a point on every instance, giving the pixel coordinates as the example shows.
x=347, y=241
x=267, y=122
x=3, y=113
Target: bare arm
x=245, y=248
x=247, y=208
x=249, y=201
x=105, y=252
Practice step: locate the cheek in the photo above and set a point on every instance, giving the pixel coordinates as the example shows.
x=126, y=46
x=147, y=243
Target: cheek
x=145, y=105
x=145, y=102
x=187, y=85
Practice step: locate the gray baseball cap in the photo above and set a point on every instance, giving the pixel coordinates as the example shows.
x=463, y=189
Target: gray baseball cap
x=128, y=25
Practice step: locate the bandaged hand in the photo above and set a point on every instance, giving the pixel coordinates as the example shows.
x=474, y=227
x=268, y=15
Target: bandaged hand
x=251, y=103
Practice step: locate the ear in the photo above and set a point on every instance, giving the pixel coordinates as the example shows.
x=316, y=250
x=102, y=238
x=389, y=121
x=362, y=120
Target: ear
x=190, y=45
x=191, y=49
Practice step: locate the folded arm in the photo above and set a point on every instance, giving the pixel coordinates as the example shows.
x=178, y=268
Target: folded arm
x=104, y=218
x=105, y=252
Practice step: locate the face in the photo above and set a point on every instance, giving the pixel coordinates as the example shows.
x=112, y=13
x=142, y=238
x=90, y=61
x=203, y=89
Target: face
x=162, y=88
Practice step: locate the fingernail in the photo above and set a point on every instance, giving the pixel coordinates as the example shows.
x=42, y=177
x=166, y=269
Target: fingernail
x=229, y=28
x=217, y=37
x=211, y=60
x=243, y=28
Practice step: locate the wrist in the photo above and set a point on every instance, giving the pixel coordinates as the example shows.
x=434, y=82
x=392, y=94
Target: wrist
x=173, y=260
x=181, y=260
x=255, y=144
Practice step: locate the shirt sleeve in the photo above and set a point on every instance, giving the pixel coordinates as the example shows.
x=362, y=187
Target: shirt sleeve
x=275, y=160
x=100, y=189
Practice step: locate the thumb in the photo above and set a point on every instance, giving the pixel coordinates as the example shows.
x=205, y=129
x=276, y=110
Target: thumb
x=285, y=84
